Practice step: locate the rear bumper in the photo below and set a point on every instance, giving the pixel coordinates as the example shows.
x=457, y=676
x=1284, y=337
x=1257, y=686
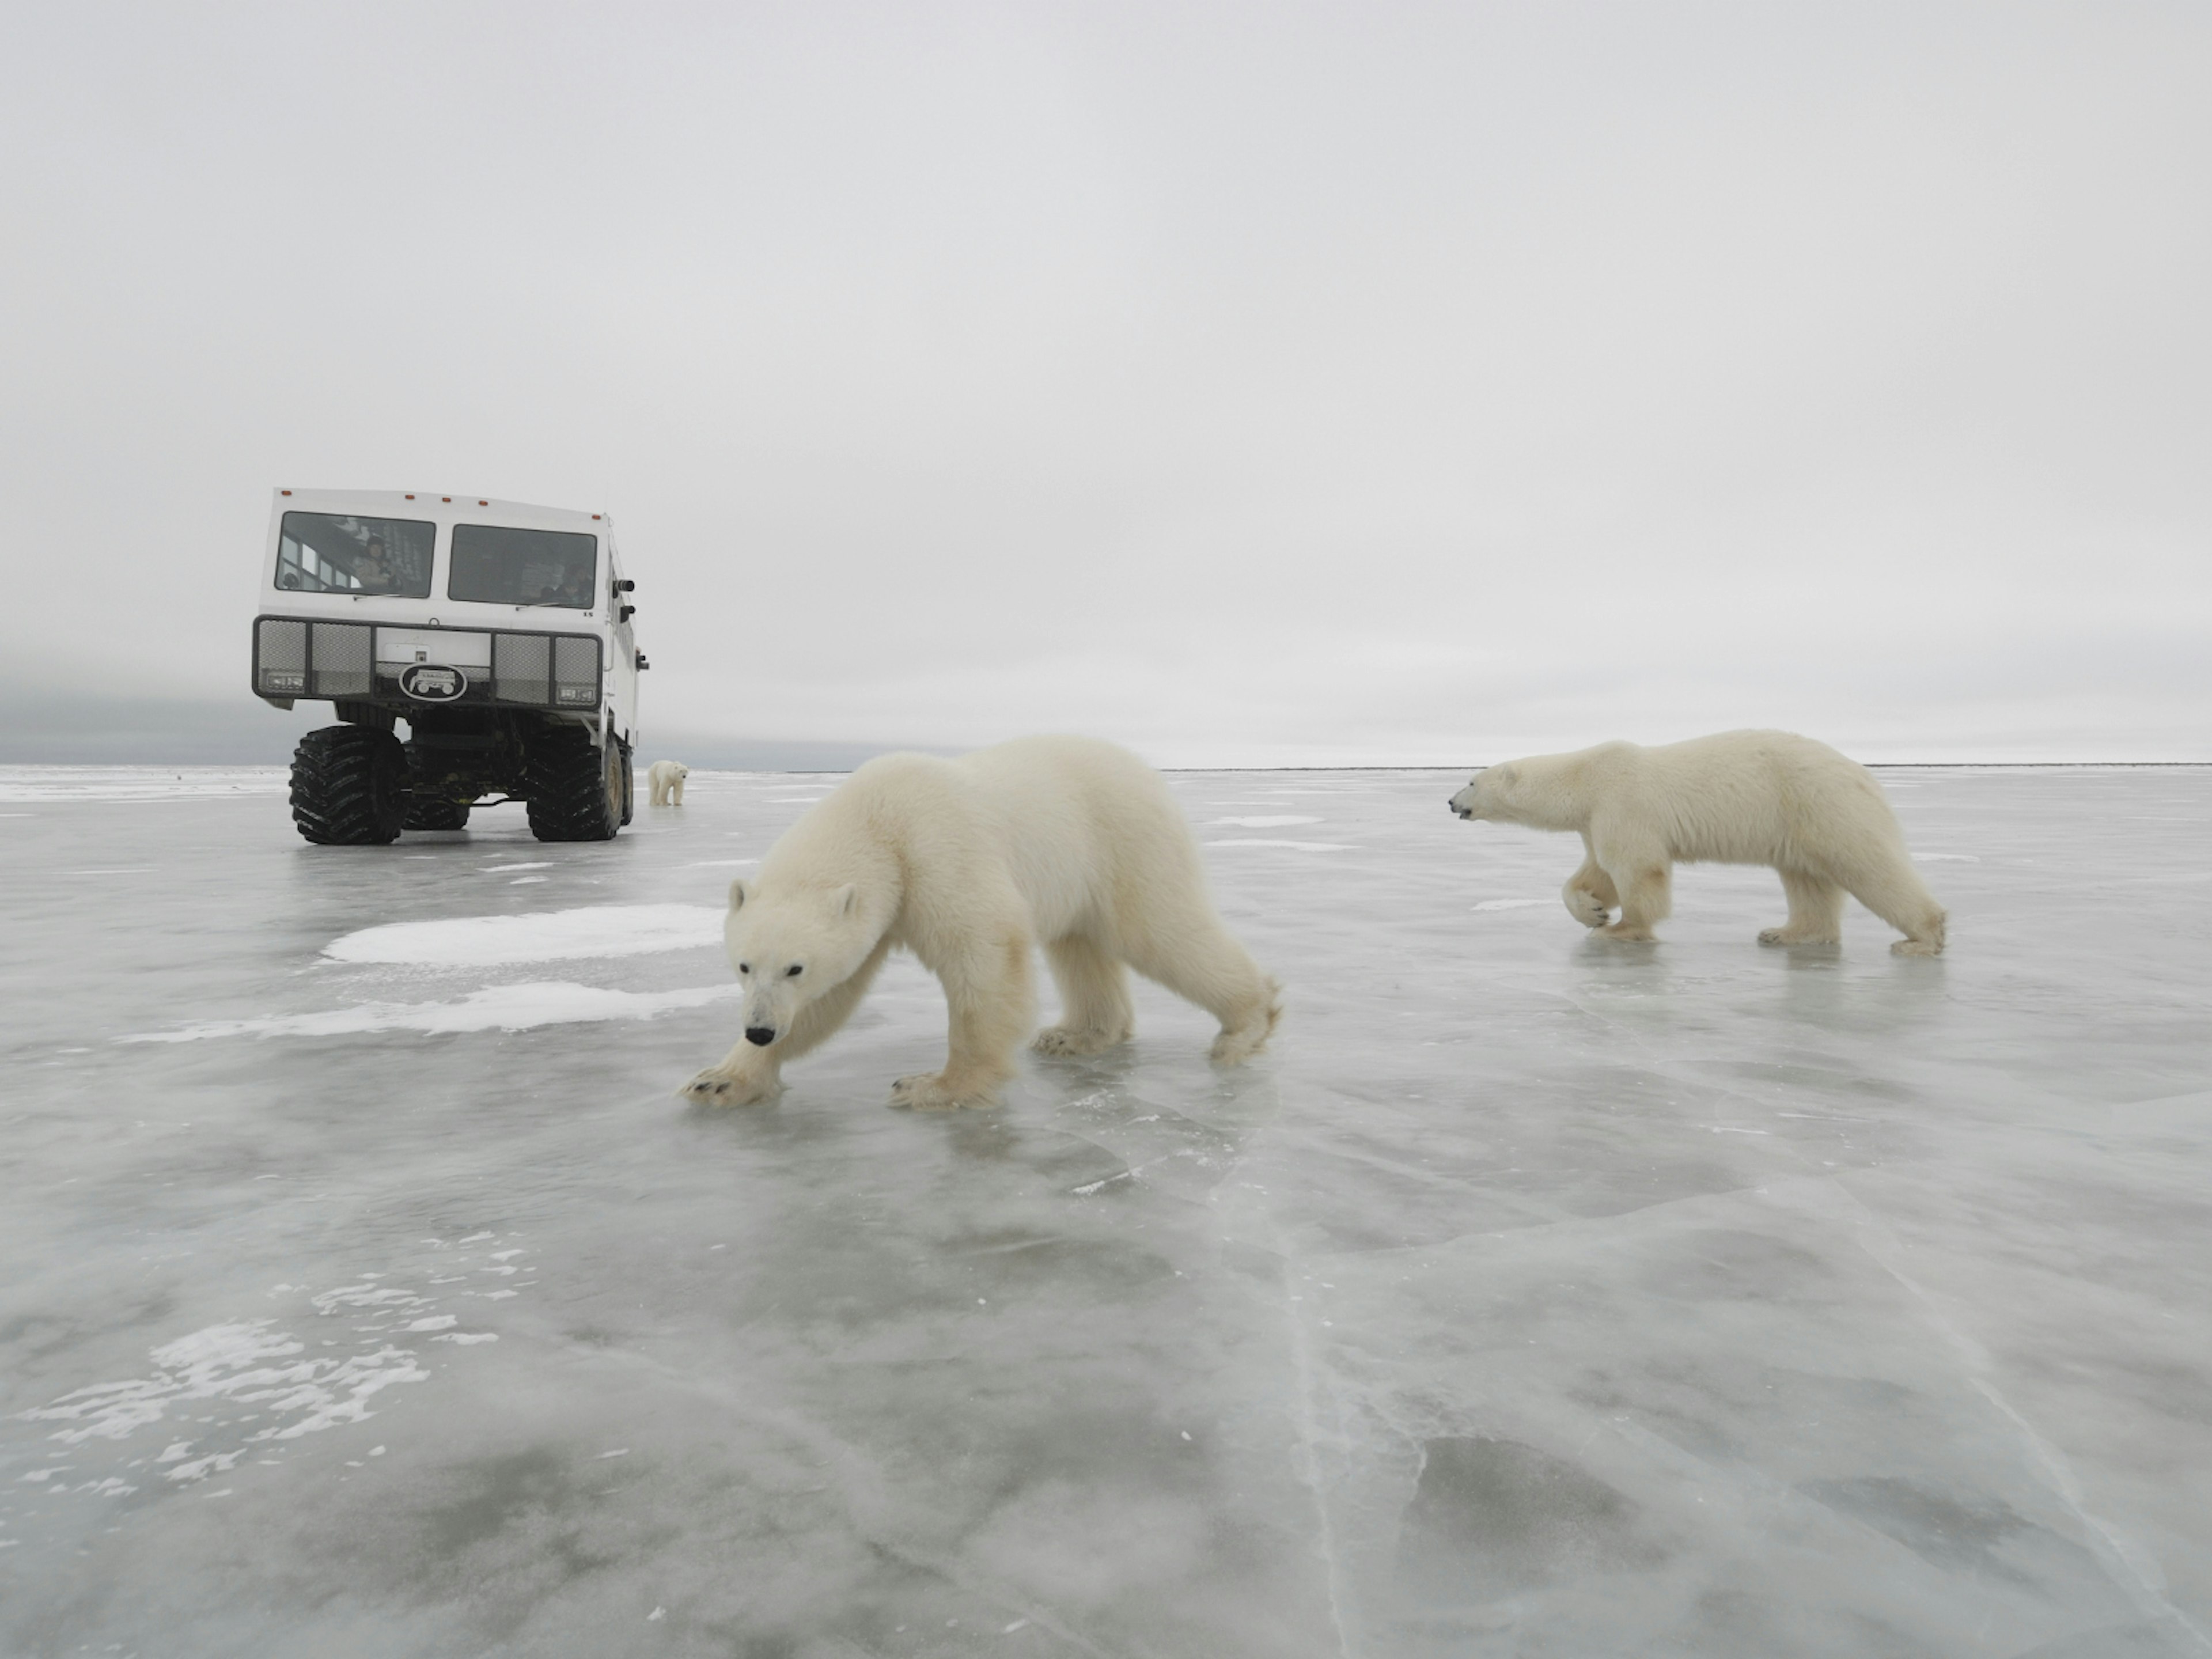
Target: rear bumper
x=416, y=667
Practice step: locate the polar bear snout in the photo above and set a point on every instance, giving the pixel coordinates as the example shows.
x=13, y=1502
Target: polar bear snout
x=760, y=1035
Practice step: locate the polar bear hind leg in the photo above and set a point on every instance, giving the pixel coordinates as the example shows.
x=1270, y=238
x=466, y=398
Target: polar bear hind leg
x=1816, y=911
x=1888, y=884
x=1207, y=966
x=987, y=990
x=1094, y=996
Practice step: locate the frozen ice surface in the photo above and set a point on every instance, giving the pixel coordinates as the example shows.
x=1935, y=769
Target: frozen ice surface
x=1533, y=1295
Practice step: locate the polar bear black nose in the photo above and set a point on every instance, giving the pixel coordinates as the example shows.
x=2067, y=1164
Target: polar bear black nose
x=760, y=1035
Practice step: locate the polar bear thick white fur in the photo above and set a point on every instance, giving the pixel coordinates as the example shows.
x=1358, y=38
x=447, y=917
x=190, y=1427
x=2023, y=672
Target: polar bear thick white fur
x=1817, y=818
x=667, y=778
x=1066, y=842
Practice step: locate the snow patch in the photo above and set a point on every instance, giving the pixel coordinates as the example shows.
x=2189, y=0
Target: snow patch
x=1276, y=821
x=1298, y=846
x=495, y=1008
x=139, y=783
x=599, y=930
x=243, y=1362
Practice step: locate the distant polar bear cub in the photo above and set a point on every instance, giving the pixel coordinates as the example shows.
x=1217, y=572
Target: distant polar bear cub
x=1065, y=843
x=1770, y=798
x=667, y=778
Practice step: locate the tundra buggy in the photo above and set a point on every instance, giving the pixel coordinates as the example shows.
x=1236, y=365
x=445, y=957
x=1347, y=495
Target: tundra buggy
x=498, y=634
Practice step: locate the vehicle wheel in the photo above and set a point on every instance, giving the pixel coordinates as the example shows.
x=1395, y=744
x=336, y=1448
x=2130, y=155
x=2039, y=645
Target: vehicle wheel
x=350, y=786
x=437, y=813
x=629, y=786
x=573, y=791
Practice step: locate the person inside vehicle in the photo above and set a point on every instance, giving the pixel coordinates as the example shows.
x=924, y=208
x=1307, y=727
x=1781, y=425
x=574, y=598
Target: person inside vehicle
x=370, y=570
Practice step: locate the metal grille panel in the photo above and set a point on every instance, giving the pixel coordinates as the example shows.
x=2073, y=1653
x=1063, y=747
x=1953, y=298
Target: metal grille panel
x=577, y=672
x=282, y=651
x=339, y=661
x=520, y=668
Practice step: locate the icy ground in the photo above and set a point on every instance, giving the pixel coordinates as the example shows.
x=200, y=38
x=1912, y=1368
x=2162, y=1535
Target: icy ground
x=364, y=1291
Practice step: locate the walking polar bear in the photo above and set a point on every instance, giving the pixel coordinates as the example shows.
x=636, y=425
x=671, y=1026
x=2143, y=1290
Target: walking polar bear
x=1771, y=797
x=1065, y=843
x=667, y=778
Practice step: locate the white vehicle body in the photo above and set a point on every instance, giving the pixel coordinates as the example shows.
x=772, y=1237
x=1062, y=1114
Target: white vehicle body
x=435, y=627
x=486, y=625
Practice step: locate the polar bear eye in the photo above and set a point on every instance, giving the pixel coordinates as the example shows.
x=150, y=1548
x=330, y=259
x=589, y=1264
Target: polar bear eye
x=744, y=967
x=792, y=972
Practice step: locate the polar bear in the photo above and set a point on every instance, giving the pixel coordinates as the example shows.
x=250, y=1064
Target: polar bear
x=667, y=778
x=1066, y=842
x=1772, y=798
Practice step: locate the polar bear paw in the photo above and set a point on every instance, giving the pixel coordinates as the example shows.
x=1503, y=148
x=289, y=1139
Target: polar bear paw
x=1236, y=1046
x=1584, y=907
x=1073, y=1041
x=1790, y=936
x=717, y=1087
x=1917, y=947
x=1623, y=934
x=930, y=1092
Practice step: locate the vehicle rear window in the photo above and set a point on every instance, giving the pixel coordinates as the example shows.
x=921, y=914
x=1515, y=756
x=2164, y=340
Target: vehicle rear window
x=337, y=553
x=494, y=565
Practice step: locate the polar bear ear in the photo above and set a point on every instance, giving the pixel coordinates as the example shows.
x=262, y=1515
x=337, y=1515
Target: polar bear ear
x=842, y=900
x=739, y=894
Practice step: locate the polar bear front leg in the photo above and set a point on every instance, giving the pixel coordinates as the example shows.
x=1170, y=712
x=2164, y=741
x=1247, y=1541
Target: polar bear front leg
x=1643, y=877
x=1589, y=894
x=987, y=994
x=746, y=1077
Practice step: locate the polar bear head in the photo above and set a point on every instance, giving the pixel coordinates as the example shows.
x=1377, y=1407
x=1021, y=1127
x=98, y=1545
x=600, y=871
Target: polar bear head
x=1491, y=793
x=791, y=946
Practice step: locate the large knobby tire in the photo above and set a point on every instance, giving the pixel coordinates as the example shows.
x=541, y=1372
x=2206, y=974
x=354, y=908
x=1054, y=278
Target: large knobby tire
x=574, y=790
x=436, y=813
x=350, y=786
x=629, y=786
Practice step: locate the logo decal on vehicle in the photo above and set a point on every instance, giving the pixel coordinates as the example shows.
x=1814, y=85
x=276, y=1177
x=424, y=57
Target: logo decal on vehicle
x=431, y=683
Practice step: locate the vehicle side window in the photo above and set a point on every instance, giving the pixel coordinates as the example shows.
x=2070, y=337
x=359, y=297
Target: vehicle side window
x=494, y=565
x=339, y=553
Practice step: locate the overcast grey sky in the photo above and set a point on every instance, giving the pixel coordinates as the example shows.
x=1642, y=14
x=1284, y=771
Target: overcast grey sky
x=1252, y=384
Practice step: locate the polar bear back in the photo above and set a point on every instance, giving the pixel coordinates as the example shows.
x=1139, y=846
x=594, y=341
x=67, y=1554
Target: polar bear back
x=1088, y=829
x=1086, y=832
x=1744, y=798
